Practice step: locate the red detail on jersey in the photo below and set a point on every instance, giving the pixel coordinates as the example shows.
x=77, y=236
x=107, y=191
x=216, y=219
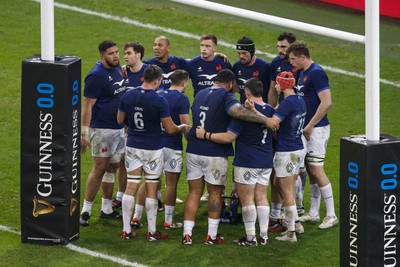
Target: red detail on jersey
x=173, y=66
x=256, y=73
x=219, y=67
x=141, y=79
x=294, y=70
x=104, y=150
x=304, y=79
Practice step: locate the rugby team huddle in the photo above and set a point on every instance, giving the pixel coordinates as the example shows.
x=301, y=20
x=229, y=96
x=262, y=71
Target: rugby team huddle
x=134, y=118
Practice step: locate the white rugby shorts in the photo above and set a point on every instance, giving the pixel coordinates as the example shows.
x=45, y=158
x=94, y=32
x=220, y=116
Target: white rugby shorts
x=172, y=160
x=251, y=176
x=151, y=161
x=288, y=163
x=214, y=169
x=106, y=142
x=316, y=146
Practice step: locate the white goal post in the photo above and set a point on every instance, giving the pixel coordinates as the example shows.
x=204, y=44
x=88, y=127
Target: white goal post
x=371, y=41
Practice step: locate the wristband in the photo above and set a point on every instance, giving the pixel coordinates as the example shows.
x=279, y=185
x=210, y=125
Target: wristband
x=209, y=137
x=205, y=136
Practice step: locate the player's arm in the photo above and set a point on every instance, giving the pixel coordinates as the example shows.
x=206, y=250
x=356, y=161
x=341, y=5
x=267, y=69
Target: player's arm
x=121, y=117
x=326, y=101
x=239, y=112
x=88, y=104
x=235, y=88
x=171, y=128
x=276, y=119
x=184, y=119
x=221, y=138
x=272, y=94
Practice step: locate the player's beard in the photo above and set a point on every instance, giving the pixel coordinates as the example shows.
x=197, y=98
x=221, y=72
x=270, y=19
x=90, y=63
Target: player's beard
x=112, y=64
x=283, y=56
x=245, y=62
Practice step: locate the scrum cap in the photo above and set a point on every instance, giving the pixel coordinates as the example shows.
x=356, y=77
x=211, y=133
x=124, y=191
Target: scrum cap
x=246, y=44
x=285, y=80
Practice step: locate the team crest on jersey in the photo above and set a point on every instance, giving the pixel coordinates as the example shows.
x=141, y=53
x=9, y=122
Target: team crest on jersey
x=247, y=175
x=104, y=150
x=239, y=72
x=199, y=69
x=304, y=79
x=218, y=68
x=173, y=66
x=153, y=165
x=278, y=70
x=110, y=78
x=256, y=73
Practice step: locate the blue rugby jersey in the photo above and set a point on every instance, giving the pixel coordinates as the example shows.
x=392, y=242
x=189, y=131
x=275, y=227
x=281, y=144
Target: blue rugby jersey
x=106, y=86
x=253, y=146
x=292, y=111
x=134, y=79
x=168, y=68
x=260, y=69
x=202, y=73
x=144, y=109
x=311, y=82
x=178, y=104
x=210, y=109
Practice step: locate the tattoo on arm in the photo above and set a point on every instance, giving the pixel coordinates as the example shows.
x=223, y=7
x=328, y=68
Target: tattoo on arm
x=239, y=112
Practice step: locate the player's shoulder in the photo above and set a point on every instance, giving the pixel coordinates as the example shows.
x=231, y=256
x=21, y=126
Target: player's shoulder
x=266, y=109
x=262, y=61
x=152, y=60
x=195, y=59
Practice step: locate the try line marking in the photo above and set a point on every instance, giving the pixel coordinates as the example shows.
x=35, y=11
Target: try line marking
x=86, y=251
x=197, y=37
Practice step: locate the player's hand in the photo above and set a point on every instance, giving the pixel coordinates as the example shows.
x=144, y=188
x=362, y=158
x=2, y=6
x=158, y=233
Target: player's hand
x=271, y=124
x=200, y=131
x=185, y=129
x=225, y=57
x=124, y=70
x=307, y=131
x=85, y=141
x=84, y=145
x=249, y=104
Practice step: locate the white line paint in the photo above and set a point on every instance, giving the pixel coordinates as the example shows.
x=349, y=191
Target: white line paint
x=197, y=37
x=86, y=251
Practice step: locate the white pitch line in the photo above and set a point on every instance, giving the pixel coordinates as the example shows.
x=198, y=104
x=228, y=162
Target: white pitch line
x=86, y=251
x=197, y=37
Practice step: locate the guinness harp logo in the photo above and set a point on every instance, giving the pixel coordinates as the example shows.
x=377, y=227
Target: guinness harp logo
x=41, y=207
x=74, y=204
